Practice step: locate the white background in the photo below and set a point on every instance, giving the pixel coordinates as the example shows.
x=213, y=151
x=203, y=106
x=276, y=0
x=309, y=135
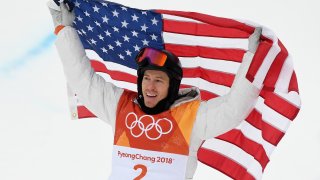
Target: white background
x=38, y=141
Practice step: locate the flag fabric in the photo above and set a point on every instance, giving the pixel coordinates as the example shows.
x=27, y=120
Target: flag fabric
x=211, y=50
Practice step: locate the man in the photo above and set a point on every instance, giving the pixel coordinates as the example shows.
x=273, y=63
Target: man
x=159, y=129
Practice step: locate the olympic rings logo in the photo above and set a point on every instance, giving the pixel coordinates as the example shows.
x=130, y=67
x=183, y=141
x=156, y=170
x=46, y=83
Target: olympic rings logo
x=144, y=127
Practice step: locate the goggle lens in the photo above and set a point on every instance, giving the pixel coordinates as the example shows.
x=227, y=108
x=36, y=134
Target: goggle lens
x=154, y=56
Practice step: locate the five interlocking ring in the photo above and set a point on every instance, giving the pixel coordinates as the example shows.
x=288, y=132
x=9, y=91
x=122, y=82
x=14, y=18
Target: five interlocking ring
x=145, y=128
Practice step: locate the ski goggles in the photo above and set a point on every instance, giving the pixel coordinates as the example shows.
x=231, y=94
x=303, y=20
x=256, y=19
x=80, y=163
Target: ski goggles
x=154, y=57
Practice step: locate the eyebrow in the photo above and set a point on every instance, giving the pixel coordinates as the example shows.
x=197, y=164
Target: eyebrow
x=158, y=76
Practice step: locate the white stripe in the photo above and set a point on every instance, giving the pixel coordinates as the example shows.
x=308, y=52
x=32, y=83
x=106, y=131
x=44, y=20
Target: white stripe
x=235, y=153
x=255, y=135
x=214, y=42
x=210, y=64
x=179, y=18
x=283, y=80
x=121, y=84
x=111, y=65
x=272, y=117
x=292, y=97
x=265, y=66
x=205, y=85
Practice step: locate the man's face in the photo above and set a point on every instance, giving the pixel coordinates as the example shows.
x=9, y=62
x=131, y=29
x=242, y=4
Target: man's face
x=155, y=86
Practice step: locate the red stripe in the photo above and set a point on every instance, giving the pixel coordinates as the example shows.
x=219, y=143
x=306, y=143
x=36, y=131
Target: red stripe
x=201, y=29
x=280, y=105
x=293, y=86
x=83, y=112
x=217, y=21
x=116, y=75
x=257, y=60
x=269, y=133
x=209, y=75
x=235, y=55
x=212, y=76
x=223, y=164
x=275, y=69
x=256, y=150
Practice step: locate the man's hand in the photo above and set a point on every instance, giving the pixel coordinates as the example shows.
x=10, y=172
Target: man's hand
x=254, y=39
x=60, y=15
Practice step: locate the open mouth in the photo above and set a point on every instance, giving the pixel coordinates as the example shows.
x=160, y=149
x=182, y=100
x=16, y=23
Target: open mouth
x=151, y=95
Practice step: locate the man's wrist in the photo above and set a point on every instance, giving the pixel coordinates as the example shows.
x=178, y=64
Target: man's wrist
x=58, y=29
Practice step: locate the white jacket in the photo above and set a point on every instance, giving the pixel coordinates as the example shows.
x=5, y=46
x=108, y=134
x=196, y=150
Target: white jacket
x=214, y=117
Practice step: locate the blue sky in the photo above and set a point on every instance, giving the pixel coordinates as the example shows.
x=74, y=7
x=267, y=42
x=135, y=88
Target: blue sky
x=39, y=141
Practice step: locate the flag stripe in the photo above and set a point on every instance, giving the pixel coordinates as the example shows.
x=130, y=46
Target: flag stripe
x=214, y=42
x=222, y=66
x=217, y=21
x=276, y=67
x=253, y=148
x=293, y=85
x=202, y=29
x=84, y=112
x=258, y=59
x=224, y=164
x=272, y=117
x=269, y=133
x=207, y=75
x=282, y=106
x=236, y=154
x=206, y=52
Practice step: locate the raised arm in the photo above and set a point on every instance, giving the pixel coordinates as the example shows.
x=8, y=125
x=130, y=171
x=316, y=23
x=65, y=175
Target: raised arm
x=99, y=96
x=221, y=114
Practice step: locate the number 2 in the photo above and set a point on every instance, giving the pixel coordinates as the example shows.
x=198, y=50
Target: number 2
x=143, y=171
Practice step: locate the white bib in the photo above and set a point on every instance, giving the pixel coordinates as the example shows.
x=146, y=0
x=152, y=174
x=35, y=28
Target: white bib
x=135, y=164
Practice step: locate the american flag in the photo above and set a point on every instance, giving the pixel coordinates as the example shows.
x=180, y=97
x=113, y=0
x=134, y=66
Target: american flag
x=211, y=50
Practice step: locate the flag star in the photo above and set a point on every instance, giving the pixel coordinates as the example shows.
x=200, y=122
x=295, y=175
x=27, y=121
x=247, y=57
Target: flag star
x=124, y=24
x=144, y=28
x=135, y=18
x=93, y=41
x=136, y=48
x=101, y=37
x=74, y=22
x=105, y=4
x=97, y=23
x=115, y=13
x=104, y=50
x=134, y=33
x=121, y=56
x=108, y=33
x=124, y=8
x=154, y=21
x=144, y=12
x=145, y=42
x=90, y=28
x=79, y=32
x=115, y=29
x=110, y=46
x=118, y=43
x=128, y=52
x=126, y=38
x=77, y=4
x=105, y=19
x=154, y=37
x=96, y=9
x=87, y=14
x=83, y=32
x=79, y=18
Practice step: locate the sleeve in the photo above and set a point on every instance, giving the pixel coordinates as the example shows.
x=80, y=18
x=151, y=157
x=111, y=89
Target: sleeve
x=219, y=115
x=99, y=96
